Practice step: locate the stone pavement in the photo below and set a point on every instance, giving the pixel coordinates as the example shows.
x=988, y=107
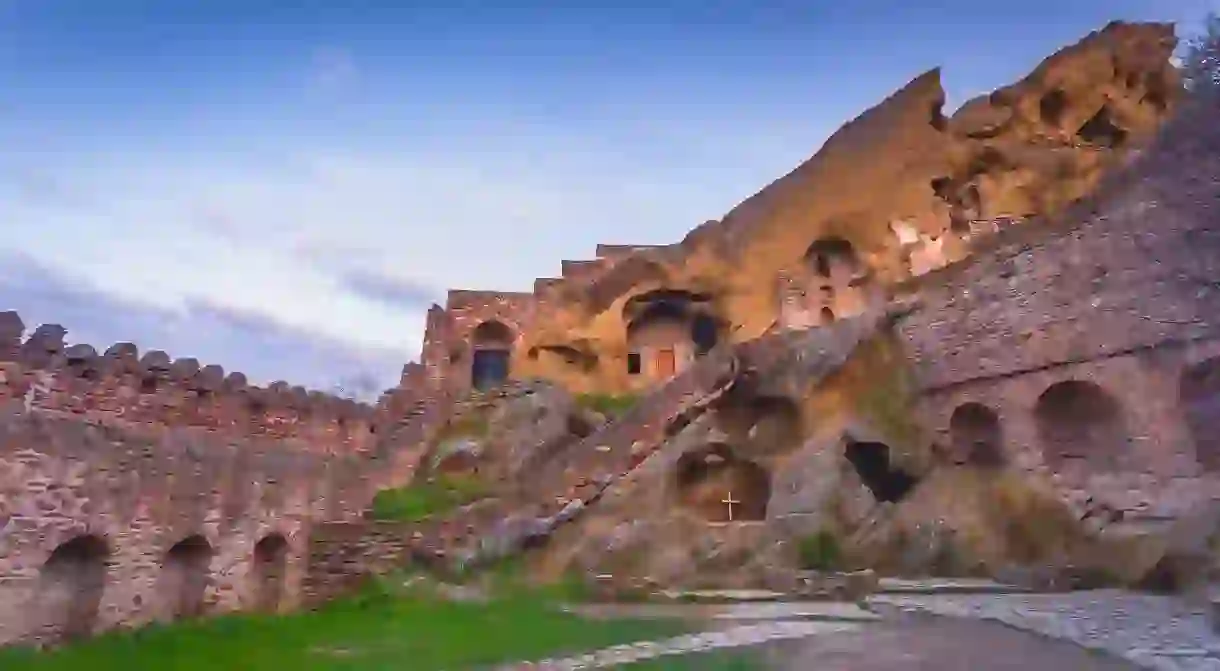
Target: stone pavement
x=1132, y=630
x=1153, y=632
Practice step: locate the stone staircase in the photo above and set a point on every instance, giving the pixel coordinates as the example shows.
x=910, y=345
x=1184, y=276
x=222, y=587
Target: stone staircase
x=576, y=476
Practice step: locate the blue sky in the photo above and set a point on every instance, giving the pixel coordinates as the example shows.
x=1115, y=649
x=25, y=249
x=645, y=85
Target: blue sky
x=283, y=188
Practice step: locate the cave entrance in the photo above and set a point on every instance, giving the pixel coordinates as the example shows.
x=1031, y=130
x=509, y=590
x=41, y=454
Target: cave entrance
x=871, y=461
x=491, y=343
x=718, y=486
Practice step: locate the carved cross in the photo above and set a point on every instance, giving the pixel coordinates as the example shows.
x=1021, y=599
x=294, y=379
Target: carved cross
x=730, y=502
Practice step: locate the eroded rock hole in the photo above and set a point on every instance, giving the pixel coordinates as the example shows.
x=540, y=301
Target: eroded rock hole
x=69, y=590
x=872, y=463
x=1100, y=130
x=718, y=486
x=1052, y=106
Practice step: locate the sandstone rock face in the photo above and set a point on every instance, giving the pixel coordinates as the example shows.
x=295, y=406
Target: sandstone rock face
x=897, y=192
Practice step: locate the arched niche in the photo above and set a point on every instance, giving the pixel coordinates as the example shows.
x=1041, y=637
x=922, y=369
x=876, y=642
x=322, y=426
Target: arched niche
x=976, y=436
x=836, y=284
x=270, y=572
x=491, y=345
x=1081, y=427
x=184, y=577
x=68, y=593
x=872, y=462
x=761, y=424
x=1199, y=395
x=716, y=485
x=666, y=330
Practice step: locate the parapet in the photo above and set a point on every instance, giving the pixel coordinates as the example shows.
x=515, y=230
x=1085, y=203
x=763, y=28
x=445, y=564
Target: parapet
x=121, y=386
x=459, y=299
x=575, y=270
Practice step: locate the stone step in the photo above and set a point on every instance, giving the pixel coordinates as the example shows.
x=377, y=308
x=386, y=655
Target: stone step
x=946, y=586
x=724, y=595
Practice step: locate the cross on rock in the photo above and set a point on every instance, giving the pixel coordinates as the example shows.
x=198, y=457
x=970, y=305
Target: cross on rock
x=730, y=502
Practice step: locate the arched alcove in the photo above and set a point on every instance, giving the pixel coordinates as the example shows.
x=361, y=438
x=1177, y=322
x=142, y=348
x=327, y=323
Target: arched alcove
x=872, y=463
x=69, y=591
x=761, y=424
x=716, y=485
x=184, y=577
x=491, y=346
x=1080, y=425
x=835, y=287
x=1199, y=395
x=269, y=572
x=974, y=431
x=666, y=329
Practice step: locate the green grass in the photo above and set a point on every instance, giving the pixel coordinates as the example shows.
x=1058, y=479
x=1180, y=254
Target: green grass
x=609, y=405
x=422, y=499
x=819, y=552
x=374, y=631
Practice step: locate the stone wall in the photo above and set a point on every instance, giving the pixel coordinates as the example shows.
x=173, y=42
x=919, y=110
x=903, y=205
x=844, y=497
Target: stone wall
x=342, y=555
x=1118, y=299
x=137, y=489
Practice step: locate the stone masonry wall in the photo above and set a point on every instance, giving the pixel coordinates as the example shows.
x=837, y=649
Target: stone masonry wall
x=341, y=555
x=107, y=462
x=1126, y=300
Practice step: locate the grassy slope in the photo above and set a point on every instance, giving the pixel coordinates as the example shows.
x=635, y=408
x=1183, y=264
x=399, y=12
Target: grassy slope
x=372, y=632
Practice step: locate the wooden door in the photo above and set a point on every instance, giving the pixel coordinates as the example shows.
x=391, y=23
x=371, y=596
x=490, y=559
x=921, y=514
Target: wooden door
x=667, y=363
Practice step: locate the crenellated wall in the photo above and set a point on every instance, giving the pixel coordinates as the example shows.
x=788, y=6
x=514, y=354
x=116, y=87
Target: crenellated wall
x=140, y=488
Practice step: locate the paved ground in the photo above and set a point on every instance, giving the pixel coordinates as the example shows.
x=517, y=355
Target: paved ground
x=1082, y=631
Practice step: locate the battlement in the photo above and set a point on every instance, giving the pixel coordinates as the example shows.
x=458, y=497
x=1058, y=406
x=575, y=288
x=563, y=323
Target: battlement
x=577, y=269
x=616, y=252
x=460, y=299
x=125, y=387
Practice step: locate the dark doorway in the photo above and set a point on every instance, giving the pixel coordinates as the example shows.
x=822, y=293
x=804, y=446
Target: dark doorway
x=872, y=463
x=270, y=568
x=70, y=588
x=489, y=368
x=184, y=577
x=492, y=344
x=704, y=333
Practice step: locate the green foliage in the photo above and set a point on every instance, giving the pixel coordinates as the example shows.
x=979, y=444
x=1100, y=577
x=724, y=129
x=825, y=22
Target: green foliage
x=885, y=398
x=420, y=500
x=610, y=405
x=819, y=552
x=382, y=628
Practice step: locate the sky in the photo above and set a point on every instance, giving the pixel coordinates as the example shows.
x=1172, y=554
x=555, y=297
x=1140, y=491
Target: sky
x=283, y=188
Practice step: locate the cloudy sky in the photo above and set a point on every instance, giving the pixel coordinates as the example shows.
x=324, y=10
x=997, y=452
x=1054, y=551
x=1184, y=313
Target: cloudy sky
x=284, y=188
